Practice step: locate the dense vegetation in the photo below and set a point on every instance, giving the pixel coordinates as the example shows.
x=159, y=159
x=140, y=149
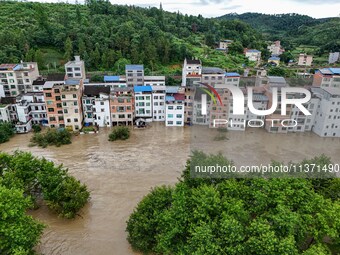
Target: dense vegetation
x=109, y=36
x=239, y=216
x=24, y=181
x=119, y=133
x=6, y=131
x=52, y=136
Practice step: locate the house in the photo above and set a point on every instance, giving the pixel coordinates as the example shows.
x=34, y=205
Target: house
x=275, y=48
x=96, y=105
x=143, y=102
x=115, y=81
x=273, y=60
x=174, y=111
x=5, y=113
x=154, y=80
x=199, y=118
x=213, y=76
x=232, y=78
x=327, y=119
x=327, y=77
x=122, y=106
x=75, y=69
x=134, y=75
x=158, y=100
x=52, y=95
x=305, y=60
x=191, y=72
x=333, y=57
x=17, y=78
x=253, y=55
x=224, y=44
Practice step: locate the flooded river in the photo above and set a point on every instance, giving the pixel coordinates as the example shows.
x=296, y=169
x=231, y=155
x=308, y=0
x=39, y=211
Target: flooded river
x=119, y=174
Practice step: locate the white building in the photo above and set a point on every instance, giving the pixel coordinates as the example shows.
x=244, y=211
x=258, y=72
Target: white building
x=191, y=72
x=134, y=75
x=17, y=78
x=143, y=102
x=158, y=100
x=174, y=110
x=232, y=79
x=276, y=48
x=224, y=44
x=75, y=69
x=96, y=105
x=5, y=113
x=305, y=60
x=333, y=57
x=253, y=55
x=154, y=80
x=327, y=77
x=213, y=76
x=327, y=119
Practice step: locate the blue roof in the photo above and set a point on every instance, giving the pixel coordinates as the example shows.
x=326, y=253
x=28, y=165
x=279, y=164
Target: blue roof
x=253, y=51
x=134, y=67
x=232, y=74
x=169, y=98
x=111, y=78
x=335, y=70
x=142, y=89
x=274, y=58
x=17, y=67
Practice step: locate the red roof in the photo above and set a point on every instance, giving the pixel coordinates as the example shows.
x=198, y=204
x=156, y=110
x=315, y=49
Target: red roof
x=179, y=97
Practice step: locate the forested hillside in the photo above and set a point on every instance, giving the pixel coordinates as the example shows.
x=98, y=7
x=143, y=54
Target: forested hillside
x=108, y=36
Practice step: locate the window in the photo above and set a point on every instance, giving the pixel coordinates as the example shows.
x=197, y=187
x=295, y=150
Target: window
x=120, y=100
x=63, y=96
x=48, y=95
x=101, y=103
x=57, y=98
x=49, y=102
x=170, y=107
x=75, y=120
x=170, y=115
x=59, y=105
x=65, y=111
x=74, y=95
x=57, y=91
x=75, y=103
x=77, y=74
x=50, y=109
x=77, y=69
x=179, y=107
x=60, y=118
x=68, y=120
x=178, y=122
x=52, y=118
x=64, y=103
x=178, y=116
x=76, y=110
x=170, y=122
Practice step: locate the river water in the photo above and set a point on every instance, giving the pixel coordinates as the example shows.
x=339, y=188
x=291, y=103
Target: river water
x=119, y=174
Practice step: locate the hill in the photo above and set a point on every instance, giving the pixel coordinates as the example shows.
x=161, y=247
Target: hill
x=109, y=36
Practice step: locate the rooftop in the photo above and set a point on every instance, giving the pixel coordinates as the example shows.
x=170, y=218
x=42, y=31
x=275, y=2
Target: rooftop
x=276, y=79
x=332, y=91
x=55, y=77
x=194, y=62
x=134, y=67
x=212, y=70
x=142, y=88
x=96, y=90
x=5, y=67
x=111, y=78
x=232, y=74
x=172, y=89
x=71, y=82
x=254, y=51
x=50, y=84
x=274, y=58
x=158, y=88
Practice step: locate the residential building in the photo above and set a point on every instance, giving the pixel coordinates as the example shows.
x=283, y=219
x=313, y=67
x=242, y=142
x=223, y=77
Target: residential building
x=198, y=118
x=143, y=102
x=231, y=79
x=236, y=122
x=75, y=69
x=213, y=76
x=5, y=112
x=275, y=48
x=71, y=98
x=174, y=111
x=115, y=81
x=158, y=100
x=327, y=77
x=333, y=57
x=54, y=107
x=191, y=72
x=17, y=78
x=305, y=60
x=96, y=105
x=134, y=75
x=122, y=106
x=273, y=60
x=154, y=80
x=36, y=102
x=217, y=111
x=327, y=119
x=253, y=55
x=224, y=44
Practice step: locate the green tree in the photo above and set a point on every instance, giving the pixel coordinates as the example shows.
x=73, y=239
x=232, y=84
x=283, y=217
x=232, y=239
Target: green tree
x=68, y=48
x=6, y=131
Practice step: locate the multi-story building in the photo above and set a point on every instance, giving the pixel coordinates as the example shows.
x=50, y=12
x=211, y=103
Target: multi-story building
x=327, y=77
x=71, y=98
x=114, y=81
x=213, y=76
x=191, y=72
x=122, y=106
x=198, y=118
x=158, y=101
x=174, y=111
x=276, y=48
x=143, y=102
x=134, y=75
x=305, y=60
x=5, y=115
x=333, y=57
x=36, y=101
x=54, y=107
x=231, y=79
x=217, y=111
x=253, y=55
x=327, y=119
x=17, y=78
x=154, y=80
x=75, y=69
x=96, y=105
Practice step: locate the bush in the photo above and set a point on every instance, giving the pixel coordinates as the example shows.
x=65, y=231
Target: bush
x=119, y=133
x=55, y=137
x=36, y=128
x=6, y=131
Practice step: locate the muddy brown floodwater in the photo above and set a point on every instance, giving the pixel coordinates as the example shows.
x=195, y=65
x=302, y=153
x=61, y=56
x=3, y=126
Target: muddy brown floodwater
x=119, y=174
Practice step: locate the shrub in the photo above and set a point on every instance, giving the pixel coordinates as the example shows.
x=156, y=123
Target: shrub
x=119, y=133
x=55, y=137
x=36, y=128
x=6, y=131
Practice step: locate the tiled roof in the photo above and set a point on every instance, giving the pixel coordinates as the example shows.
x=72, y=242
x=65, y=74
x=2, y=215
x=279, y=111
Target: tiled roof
x=179, y=97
